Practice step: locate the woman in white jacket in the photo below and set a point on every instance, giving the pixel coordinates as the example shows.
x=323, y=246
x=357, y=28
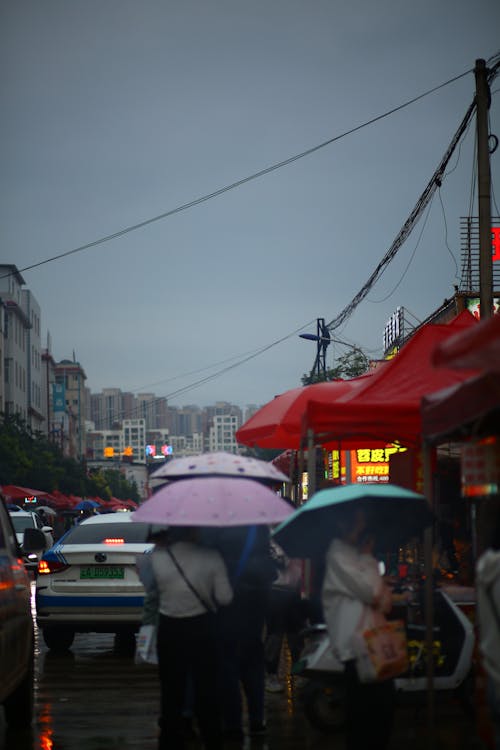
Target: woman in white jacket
x=352, y=586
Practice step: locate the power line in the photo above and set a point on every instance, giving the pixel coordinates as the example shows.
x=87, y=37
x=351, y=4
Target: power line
x=423, y=201
x=243, y=181
x=138, y=409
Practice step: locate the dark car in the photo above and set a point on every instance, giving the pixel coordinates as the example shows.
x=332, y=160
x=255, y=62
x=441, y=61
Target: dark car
x=16, y=623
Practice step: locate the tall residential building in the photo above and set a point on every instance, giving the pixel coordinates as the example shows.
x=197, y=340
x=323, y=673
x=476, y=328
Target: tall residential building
x=221, y=434
x=36, y=418
x=70, y=379
x=22, y=370
x=134, y=436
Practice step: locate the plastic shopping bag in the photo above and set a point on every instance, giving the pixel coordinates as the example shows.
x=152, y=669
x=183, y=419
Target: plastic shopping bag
x=145, y=650
x=381, y=649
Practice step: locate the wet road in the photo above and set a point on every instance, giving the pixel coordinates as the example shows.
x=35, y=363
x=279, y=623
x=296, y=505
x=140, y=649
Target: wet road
x=95, y=698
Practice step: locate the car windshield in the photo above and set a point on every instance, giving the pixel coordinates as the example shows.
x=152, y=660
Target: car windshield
x=21, y=523
x=96, y=533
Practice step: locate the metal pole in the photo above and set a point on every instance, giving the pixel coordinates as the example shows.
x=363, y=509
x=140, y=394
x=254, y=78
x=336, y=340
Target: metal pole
x=484, y=191
x=427, y=452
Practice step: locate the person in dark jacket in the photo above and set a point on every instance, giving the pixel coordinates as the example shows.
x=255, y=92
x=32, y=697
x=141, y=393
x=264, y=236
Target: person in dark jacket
x=247, y=554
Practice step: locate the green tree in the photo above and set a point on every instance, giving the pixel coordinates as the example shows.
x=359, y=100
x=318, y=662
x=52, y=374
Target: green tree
x=348, y=365
x=29, y=459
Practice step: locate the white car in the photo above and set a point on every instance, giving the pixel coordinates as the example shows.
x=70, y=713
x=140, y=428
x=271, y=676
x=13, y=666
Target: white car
x=24, y=519
x=88, y=581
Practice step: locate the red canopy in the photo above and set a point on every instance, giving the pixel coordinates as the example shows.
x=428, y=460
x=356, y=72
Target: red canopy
x=15, y=492
x=388, y=405
x=278, y=424
x=477, y=347
x=452, y=412
x=474, y=405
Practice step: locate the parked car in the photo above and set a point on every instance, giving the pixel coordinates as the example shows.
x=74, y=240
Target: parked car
x=88, y=581
x=24, y=519
x=16, y=623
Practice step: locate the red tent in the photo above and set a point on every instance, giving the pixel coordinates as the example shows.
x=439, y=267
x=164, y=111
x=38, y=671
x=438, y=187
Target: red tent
x=278, y=424
x=454, y=411
x=477, y=347
x=388, y=405
x=15, y=492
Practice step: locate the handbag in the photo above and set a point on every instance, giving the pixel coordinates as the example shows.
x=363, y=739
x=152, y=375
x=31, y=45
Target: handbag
x=145, y=649
x=380, y=648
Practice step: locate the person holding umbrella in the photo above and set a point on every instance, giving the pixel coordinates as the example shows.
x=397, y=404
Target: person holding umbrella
x=191, y=582
x=190, y=578
x=352, y=586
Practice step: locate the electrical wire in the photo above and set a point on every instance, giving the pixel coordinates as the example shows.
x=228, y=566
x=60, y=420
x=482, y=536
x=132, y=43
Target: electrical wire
x=408, y=226
x=239, y=183
x=457, y=278
x=117, y=416
x=384, y=299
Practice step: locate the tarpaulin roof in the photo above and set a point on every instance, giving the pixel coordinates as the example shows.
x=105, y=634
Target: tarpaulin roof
x=388, y=405
x=17, y=492
x=477, y=347
x=278, y=424
x=471, y=407
x=455, y=412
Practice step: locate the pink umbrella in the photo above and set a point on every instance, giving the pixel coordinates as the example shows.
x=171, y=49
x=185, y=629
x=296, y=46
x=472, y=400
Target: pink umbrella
x=214, y=501
x=220, y=463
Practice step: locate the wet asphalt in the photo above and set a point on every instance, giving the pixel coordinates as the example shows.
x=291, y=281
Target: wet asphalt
x=96, y=698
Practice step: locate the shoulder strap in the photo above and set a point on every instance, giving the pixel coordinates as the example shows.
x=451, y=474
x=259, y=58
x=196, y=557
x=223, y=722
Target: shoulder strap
x=209, y=608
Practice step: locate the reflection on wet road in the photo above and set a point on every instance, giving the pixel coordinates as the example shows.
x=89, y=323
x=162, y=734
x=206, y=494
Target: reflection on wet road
x=96, y=698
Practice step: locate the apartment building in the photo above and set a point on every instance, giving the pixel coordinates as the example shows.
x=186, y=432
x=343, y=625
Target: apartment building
x=21, y=349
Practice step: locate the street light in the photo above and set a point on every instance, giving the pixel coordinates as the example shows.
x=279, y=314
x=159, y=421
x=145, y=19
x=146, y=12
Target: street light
x=322, y=338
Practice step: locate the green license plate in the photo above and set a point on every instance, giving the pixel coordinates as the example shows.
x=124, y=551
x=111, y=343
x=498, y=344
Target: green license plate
x=102, y=571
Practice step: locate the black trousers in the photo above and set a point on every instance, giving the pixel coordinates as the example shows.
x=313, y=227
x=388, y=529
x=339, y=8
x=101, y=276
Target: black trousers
x=370, y=711
x=187, y=649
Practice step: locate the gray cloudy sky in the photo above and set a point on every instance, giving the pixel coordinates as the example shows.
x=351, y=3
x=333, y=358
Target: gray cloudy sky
x=115, y=112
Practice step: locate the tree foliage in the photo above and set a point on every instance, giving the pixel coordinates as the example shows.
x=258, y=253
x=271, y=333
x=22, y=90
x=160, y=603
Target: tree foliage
x=349, y=365
x=29, y=459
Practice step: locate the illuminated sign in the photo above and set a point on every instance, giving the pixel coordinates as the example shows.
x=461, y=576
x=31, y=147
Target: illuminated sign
x=128, y=451
x=366, y=465
x=109, y=452
x=164, y=450
x=480, y=465
x=495, y=231
x=474, y=306
x=393, y=329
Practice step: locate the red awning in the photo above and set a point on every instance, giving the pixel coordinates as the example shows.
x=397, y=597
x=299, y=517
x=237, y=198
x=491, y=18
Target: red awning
x=469, y=407
x=278, y=424
x=388, y=406
x=477, y=347
x=16, y=492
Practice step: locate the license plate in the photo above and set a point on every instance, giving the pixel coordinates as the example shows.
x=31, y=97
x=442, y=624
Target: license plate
x=102, y=571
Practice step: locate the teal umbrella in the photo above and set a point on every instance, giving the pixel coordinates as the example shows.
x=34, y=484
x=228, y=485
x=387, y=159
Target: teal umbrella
x=394, y=514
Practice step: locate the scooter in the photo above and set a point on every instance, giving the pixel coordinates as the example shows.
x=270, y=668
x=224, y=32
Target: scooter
x=323, y=694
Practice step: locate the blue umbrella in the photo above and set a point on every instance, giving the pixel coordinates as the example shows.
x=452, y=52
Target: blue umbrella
x=394, y=514
x=87, y=505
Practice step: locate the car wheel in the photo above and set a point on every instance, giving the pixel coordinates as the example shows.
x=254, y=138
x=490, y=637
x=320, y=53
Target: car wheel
x=58, y=639
x=18, y=707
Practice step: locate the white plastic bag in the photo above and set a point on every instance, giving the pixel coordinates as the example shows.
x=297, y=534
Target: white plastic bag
x=145, y=650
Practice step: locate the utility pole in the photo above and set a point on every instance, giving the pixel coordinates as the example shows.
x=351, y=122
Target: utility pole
x=483, y=99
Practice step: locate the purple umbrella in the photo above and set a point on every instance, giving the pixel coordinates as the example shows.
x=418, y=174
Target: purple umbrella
x=220, y=463
x=214, y=501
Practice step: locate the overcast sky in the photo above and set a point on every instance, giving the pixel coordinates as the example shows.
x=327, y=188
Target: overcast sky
x=116, y=111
